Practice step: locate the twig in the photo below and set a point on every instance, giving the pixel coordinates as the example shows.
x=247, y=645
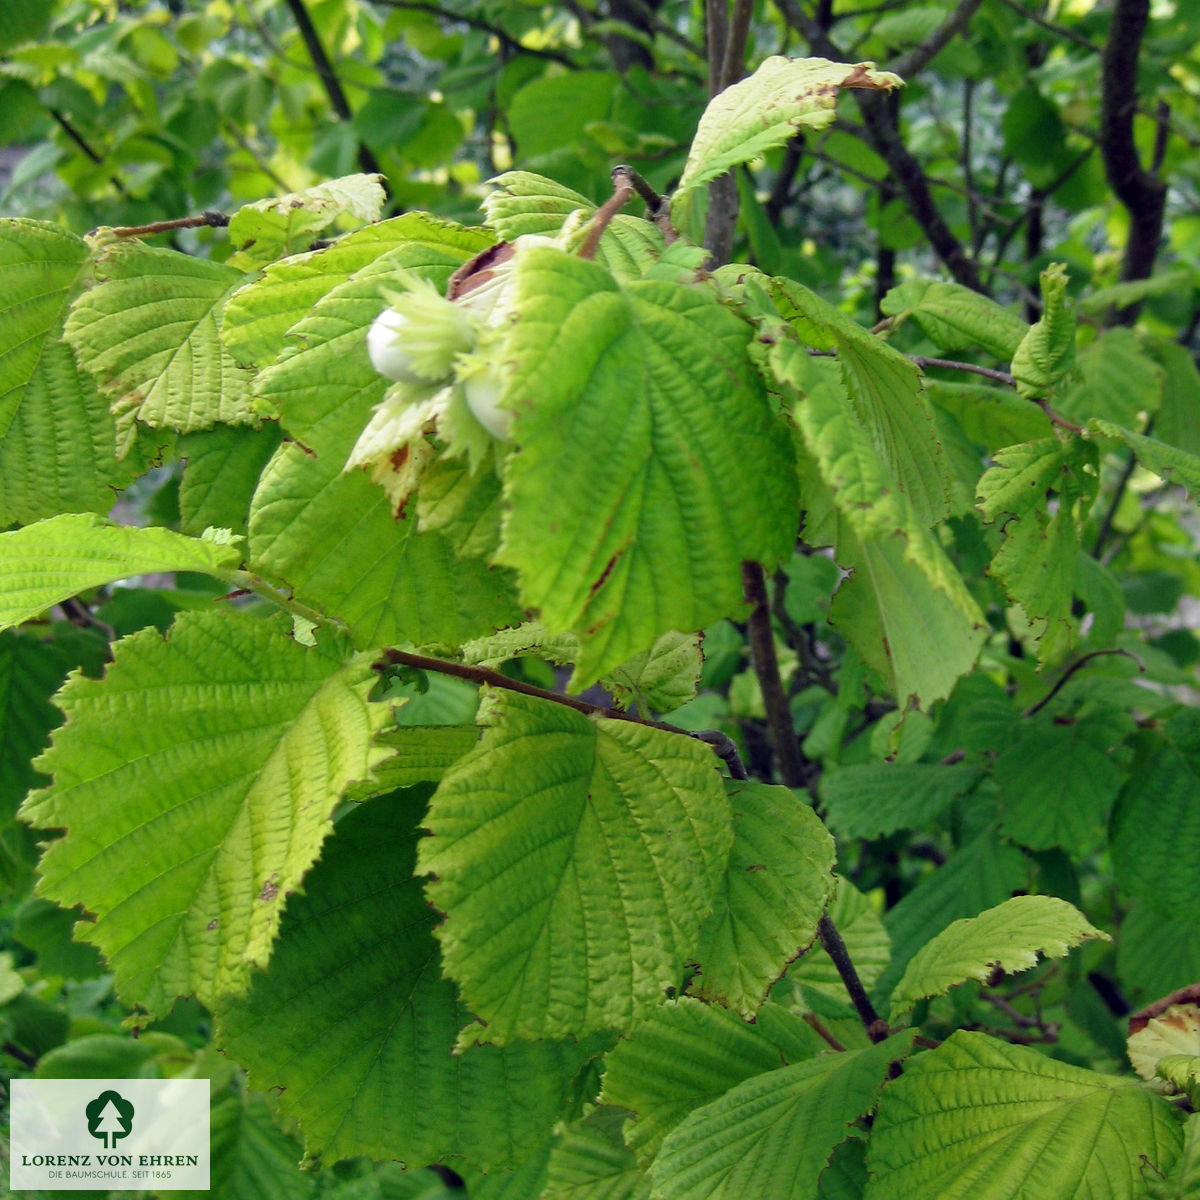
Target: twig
x=330, y=81
x=482, y=676
x=919, y=57
x=501, y=35
x=720, y=743
x=814, y=1023
x=879, y=117
x=734, y=62
x=1050, y=27
x=793, y=769
x=623, y=192
x=24, y=1057
x=1079, y=663
x=725, y=749
x=634, y=179
x=211, y=218
x=797, y=637
x=923, y=361
x=1106, y=522
x=69, y=129
x=835, y=947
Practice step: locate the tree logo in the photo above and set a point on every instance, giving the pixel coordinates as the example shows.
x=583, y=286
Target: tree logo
x=109, y=1118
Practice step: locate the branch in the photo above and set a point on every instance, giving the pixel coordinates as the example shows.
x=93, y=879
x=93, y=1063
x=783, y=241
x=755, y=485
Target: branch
x=793, y=768
x=918, y=58
x=726, y=62
x=1142, y=193
x=330, y=81
x=879, y=117
x=84, y=145
x=832, y=944
x=722, y=745
x=1079, y=663
x=503, y=36
x=923, y=361
x=733, y=65
x=623, y=191
x=210, y=218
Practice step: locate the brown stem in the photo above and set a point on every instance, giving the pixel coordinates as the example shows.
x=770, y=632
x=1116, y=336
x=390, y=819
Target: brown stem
x=923, y=360
x=832, y=944
x=722, y=745
x=1080, y=662
x=916, y=59
x=623, y=192
x=1142, y=193
x=24, y=1057
x=814, y=1023
x=215, y=220
x=329, y=80
x=793, y=768
x=69, y=129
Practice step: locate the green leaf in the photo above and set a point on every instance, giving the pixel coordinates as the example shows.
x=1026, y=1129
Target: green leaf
x=223, y=468
x=196, y=783
x=978, y=876
x=870, y=800
x=1155, y=833
x=1118, y=381
x=885, y=392
x=418, y=753
x=574, y=860
x=1036, y=563
x=1182, y=1181
x=385, y=581
x=1157, y=951
x=687, y=1054
x=62, y=556
x=777, y=884
x=1131, y=291
x=774, y=1134
x=954, y=317
x=865, y=937
x=149, y=332
x=1009, y=936
x=655, y=378
x=1168, y=462
x=1178, y=421
x=355, y=1022
x=57, y=438
x=521, y=203
x=991, y=416
x=1059, y=782
x=323, y=385
x=259, y=314
x=30, y=673
x=252, y=1158
x=1047, y=351
x=591, y=1162
x=268, y=229
x=978, y=1113
x=907, y=610
x=375, y=572
x=662, y=678
x=781, y=98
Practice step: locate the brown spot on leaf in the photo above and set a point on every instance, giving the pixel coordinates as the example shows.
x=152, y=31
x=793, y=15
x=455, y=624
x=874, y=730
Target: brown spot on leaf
x=860, y=77
x=270, y=890
x=1185, y=995
x=756, y=867
x=213, y=924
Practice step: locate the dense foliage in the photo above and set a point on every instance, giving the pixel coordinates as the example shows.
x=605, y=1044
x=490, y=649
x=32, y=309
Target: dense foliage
x=717, y=715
